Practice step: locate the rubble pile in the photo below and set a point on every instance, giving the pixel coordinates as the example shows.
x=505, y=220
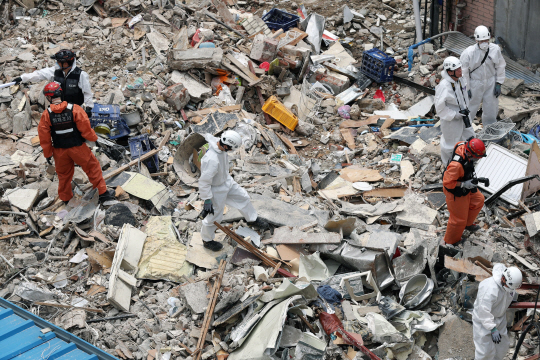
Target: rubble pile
x=344, y=165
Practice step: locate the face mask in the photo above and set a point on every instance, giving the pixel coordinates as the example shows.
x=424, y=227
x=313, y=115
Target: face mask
x=508, y=290
x=56, y=66
x=483, y=46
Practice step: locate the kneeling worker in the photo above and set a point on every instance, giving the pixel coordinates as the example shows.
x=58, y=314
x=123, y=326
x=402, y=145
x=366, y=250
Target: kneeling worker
x=489, y=316
x=62, y=130
x=463, y=199
x=217, y=188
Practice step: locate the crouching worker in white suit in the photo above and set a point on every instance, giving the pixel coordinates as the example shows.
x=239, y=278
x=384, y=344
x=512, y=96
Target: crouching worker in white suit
x=489, y=316
x=217, y=188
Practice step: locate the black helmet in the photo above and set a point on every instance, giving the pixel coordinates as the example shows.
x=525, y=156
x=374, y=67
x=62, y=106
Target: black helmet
x=64, y=55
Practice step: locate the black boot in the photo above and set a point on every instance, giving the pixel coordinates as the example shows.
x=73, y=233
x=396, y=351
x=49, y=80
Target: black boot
x=473, y=228
x=260, y=223
x=213, y=245
x=106, y=196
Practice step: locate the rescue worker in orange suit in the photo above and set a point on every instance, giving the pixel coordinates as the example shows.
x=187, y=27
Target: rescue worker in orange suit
x=463, y=199
x=63, y=130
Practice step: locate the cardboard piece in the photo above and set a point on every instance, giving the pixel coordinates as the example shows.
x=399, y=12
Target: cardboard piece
x=355, y=174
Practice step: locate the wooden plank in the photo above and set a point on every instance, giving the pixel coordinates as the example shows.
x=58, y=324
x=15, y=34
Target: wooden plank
x=119, y=293
x=242, y=67
x=287, y=142
x=237, y=71
x=386, y=192
x=99, y=311
x=532, y=267
x=15, y=234
x=259, y=95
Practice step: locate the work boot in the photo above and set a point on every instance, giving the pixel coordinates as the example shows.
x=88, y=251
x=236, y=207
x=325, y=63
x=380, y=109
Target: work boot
x=472, y=228
x=213, y=245
x=260, y=223
x=106, y=196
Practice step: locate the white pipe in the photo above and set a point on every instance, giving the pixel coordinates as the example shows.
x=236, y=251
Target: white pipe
x=418, y=22
x=6, y=85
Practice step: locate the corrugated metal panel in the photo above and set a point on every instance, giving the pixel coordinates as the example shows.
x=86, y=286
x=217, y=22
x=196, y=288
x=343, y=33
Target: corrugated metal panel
x=24, y=336
x=500, y=166
x=459, y=42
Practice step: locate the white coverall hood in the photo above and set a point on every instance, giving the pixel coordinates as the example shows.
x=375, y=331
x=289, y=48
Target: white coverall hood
x=448, y=103
x=482, y=81
x=489, y=312
x=216, y=184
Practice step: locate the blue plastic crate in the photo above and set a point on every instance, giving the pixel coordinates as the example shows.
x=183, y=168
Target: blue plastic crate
x=140, y=145
x=277, y=19
x=109, y=115
x=378, y=66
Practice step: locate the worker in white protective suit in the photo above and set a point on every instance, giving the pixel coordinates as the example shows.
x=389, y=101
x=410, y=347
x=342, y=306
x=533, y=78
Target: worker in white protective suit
x=489, y=316
x=451, y=104
x=217, y=188
x=483, y=73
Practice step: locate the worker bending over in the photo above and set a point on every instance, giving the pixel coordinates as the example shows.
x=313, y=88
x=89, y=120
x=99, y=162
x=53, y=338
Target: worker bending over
x=217, y=188
x=62, y=130
x=483, y=73
x=74, y=82
x=463, y=199
x=451, y=104
x=489, y=316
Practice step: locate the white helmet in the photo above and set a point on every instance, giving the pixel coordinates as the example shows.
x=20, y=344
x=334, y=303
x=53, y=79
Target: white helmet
x=231, y=138
x=513, y=277
x=451, y=63
x=481, y=33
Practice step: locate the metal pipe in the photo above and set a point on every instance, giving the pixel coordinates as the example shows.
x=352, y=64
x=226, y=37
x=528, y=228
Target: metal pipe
x=418, y=22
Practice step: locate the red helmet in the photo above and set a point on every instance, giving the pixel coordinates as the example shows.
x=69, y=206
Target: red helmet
x=53, y=89
x=476, y=148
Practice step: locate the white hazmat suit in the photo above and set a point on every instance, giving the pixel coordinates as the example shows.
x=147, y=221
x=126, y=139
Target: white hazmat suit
x=490, y=312
x=482, y=81
x=448, y=103
x=216, y=184
x=48, y=74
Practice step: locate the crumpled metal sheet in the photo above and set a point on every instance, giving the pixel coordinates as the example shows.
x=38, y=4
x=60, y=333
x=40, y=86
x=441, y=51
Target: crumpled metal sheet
x=163, y=256
x=416, y=292
x=362, y=259
x=84, y=208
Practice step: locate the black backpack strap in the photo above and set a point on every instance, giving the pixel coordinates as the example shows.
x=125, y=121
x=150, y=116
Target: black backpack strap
x=482, y=63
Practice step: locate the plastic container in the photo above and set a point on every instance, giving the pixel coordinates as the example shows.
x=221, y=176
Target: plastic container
x=107, y=117
x=278, y=111
x=378, y=66
x=140, y=145
x=277, y=19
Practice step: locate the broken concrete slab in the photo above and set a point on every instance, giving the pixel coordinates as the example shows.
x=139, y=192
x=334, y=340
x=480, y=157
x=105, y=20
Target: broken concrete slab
x=195, y=58
x=195, y=296
x=199, y=255
x=277, y=213
x=23, y=199
x=293, y=235
x=417, y=216
x=455, y=339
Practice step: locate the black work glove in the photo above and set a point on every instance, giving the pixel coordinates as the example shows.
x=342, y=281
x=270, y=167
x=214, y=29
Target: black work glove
x=17, y=80
x=208, y=207
x=49, y=160
x=470, y=94
x=88, y=111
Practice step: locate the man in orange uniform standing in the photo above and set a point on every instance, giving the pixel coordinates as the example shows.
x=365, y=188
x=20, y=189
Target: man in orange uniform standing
x=463, y=199
x=62, y=130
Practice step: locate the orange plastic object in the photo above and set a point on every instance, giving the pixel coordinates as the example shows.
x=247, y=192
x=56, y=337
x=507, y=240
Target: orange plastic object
x=278, y=111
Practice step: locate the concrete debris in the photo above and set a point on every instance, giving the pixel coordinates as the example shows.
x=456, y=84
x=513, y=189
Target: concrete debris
x=344, y=167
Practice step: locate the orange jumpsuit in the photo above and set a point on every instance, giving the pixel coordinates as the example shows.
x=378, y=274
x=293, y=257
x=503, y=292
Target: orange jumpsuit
x=464, y=209
x=65, y=159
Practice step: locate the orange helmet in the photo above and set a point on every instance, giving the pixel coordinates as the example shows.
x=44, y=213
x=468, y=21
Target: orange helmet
x=476, y=148
x=53, y=89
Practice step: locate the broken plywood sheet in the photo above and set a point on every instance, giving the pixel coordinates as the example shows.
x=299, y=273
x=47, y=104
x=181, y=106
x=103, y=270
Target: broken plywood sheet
x=292, y=235
x=199, y=255
x=134, y=240
x=142, y=187
x=277, y=212
x=356, y=173
x=339, y=187
x=501, y=166
x=23, y=198
x=467, y=267
x=163, y=256
x=390, y=192
x=533, y=167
